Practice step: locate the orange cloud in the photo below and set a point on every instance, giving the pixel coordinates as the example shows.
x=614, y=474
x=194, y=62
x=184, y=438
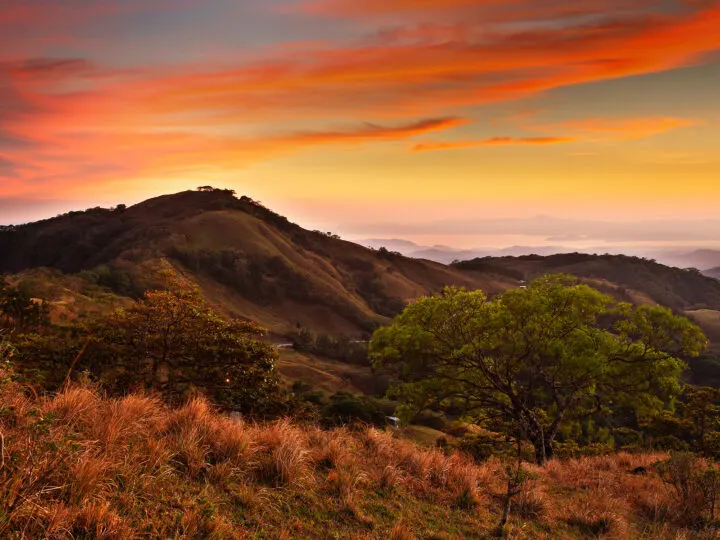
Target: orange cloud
x=622, y=129
x=494, y=141
x=372, y=132
x=407, y=78
x=72, y=123
x=133, y=153
x=483, y=11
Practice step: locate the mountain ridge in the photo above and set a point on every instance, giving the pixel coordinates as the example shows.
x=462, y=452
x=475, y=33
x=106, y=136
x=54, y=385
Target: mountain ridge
x=247, y=259
x=680, y=289
x=254, y=263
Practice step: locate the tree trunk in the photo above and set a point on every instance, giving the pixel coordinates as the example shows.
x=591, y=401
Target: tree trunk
x=543, y=450
x=514, y=483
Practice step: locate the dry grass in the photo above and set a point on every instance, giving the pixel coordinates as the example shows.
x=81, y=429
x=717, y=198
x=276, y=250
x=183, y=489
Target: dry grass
x=79, y=465
x=401, y=532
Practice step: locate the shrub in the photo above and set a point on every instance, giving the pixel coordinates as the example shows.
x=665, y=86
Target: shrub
x=338, y=348
x=712, y=444
x=346, y=408
x=695, y=486
x=19, y=311
x=482, y=446
x=6, y=351
x=170, y=340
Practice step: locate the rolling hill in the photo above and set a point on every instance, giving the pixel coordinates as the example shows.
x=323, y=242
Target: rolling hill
x=632, y=279
x=249, y=261
x=254, y=263
x=636, y=279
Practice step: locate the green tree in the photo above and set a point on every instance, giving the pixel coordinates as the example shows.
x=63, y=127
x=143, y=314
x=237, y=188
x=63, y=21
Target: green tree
x=172, y=340
x=701, y=414
x=19, y=311
x=534, y=359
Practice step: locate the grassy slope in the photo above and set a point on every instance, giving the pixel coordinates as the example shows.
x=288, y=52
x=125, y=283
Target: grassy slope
x=81, y=466
x=673, y=287
x=69, y=297
x=326, y=374
x=328, y=272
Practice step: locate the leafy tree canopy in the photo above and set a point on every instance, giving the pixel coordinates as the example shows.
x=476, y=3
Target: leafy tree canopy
x=532, y=359
x=170, y=340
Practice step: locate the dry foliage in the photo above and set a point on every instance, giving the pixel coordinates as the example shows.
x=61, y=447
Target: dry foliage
x=82, y=465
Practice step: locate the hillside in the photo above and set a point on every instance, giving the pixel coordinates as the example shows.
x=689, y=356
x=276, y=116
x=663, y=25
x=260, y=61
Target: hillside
x=83, y=466
x=248, y=260
x=254, y=263
x=713, y=273
x=636, y=279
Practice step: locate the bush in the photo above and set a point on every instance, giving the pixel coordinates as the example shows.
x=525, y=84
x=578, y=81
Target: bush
x=346, y=408
x=19, y=311
x=626, y=437
x=712, y=444
x=695, y=486
x=431, y=419
x=483, y=446
x=6, y=351
x=169, y=340
x=337, y=348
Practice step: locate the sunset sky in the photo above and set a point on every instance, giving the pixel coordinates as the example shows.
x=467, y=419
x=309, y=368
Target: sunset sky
x=454, y=121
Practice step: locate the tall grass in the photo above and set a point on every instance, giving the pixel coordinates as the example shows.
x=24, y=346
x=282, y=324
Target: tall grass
x=81, y=465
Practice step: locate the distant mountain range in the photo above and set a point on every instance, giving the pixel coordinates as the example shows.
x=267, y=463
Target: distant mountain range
x=699, y=258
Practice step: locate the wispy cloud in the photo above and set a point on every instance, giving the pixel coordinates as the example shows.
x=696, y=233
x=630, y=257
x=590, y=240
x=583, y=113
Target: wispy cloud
x=622, y=129
x=85, y=121
x=494, y=141
x=372, y=132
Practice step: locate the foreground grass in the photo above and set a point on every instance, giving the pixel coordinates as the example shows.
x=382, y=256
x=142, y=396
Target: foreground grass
x=78, y=465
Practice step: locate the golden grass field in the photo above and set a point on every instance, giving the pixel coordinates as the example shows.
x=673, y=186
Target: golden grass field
x=79, y=465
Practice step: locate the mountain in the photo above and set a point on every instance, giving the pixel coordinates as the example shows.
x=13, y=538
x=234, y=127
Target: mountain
x=698, y=258
x=670, y=256
x=248, y=260
x=713, y=272
x=448, y=254
x=254, y=263
x=638, y=279
x=392, y=244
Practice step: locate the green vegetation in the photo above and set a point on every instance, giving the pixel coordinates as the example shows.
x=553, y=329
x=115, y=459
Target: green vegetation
x=338, y=348
x=630, y=278
x=559, y=409
x=169, y=340
x=19, y=311
x=531, y=362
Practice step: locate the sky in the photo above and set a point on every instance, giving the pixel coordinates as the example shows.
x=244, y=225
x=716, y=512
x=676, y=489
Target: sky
x=463, y=122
